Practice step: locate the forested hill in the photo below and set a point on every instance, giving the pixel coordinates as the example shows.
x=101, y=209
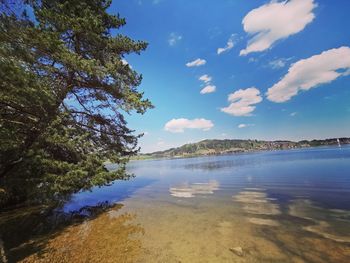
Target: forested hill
x=213, y=147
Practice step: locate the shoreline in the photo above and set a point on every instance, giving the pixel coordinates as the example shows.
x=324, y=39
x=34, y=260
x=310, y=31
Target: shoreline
x=231, y=153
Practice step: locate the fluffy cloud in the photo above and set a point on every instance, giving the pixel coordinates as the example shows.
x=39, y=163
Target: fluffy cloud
x=243, y=125
x=228, y=46
x=205, y=78
x=208, y=89
x=196, y=63
x=311, y=72
x=274, y=21
x=179, y=125
x=174, y=38
x=242, y=102
x=293, y=114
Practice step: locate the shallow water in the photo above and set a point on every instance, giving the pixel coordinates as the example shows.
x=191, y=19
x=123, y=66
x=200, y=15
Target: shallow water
x=281, y=206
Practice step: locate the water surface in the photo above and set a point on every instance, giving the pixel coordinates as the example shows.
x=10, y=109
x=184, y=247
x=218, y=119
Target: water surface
x=280, y=206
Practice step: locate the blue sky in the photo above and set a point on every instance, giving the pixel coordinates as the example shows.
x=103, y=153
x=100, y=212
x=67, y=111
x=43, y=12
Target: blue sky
x=282, y=72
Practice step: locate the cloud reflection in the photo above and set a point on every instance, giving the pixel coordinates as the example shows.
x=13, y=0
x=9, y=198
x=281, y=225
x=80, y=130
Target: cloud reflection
x=191, y=190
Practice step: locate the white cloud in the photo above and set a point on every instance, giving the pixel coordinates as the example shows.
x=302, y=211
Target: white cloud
x=293, y=114
x=311, y=72
x=274, y=21
x=208, y=89
x=179, y=125
x=174, y=38
x=278, y=63
x=158, y=145
x=196, y=63
x=242, y=102
x=205, y=78
x=230, y=43
x=244, y=125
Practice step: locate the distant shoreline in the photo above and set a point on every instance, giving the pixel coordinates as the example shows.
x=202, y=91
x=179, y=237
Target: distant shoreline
x=230, y=147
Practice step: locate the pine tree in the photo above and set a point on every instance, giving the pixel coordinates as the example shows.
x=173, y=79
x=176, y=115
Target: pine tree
x=64, y=91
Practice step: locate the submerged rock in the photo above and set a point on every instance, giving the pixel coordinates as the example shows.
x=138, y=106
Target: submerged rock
x=238, y=251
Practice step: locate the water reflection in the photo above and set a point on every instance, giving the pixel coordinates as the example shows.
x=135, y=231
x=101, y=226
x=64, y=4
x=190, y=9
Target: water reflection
x=256, y=203
x=333, y=224
x=115, y=193
x=263, y=207
x=303, y=230
x=191, y=190
x=222, y=164
x=259, y=158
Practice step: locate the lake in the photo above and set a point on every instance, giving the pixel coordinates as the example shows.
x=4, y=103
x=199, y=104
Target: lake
x=277, y=206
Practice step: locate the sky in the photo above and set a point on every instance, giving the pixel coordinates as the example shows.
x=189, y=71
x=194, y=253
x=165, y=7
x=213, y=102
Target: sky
x=237, y=69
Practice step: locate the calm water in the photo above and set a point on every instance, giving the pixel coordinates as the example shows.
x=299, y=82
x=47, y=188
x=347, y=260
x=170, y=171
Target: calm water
x=281, y=206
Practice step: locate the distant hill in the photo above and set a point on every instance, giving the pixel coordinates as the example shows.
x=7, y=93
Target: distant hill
x=217, y=147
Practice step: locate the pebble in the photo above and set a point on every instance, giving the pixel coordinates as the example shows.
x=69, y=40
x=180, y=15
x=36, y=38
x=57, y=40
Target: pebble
x=238, y=251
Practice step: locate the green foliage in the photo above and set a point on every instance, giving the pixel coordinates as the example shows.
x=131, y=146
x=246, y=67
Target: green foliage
x=63, y=92
x=214, y=147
